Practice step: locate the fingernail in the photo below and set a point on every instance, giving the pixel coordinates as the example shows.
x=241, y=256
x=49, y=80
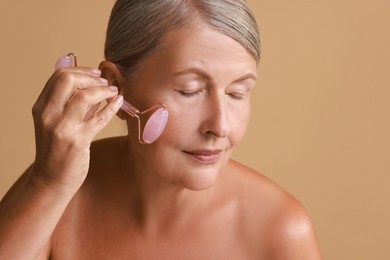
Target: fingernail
x=113, y=88
x=96, y=71
x=119, y=99
x=103, y=80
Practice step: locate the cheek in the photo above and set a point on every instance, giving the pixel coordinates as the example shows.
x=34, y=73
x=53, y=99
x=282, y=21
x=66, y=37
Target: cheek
x=182, y=124
x=239, y=120
x=185, y=120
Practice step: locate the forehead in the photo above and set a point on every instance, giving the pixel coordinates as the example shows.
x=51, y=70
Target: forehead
x=204, y=47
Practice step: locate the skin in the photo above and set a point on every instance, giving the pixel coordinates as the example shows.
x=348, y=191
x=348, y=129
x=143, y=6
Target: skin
x=178, y=198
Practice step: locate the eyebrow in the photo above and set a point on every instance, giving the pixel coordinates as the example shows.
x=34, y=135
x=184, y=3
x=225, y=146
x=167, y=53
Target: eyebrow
x=205, y=75
x=197, y=71
x=245, y=77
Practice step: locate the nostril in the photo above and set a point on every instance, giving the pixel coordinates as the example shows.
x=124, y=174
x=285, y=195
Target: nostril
x=216, y=129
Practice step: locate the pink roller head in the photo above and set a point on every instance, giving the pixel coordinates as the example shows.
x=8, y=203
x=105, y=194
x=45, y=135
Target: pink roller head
x=66, y=61
x=155, y=125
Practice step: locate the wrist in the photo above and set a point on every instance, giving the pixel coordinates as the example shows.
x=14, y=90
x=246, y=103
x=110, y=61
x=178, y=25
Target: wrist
x=39, y=182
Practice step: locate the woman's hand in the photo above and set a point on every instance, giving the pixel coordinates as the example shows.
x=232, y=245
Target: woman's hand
x=66, y=119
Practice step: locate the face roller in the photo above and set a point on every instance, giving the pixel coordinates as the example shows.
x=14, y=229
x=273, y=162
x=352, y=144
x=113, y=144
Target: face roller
x=158, y=118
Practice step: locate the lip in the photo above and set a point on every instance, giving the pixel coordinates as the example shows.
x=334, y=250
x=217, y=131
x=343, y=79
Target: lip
x=205, y=156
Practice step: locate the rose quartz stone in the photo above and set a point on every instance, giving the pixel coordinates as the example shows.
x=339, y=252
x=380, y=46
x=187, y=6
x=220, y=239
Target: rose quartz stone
x=64, y=62
x=155, y=125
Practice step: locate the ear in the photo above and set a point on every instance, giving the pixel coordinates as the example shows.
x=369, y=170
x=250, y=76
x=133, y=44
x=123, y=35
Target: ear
x=115, y=78
x=111, y=73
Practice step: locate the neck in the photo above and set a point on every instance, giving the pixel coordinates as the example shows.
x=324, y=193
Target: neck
x=159, y=204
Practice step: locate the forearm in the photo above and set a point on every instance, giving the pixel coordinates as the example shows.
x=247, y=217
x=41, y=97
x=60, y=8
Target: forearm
x=66, y=119
x=28, y=216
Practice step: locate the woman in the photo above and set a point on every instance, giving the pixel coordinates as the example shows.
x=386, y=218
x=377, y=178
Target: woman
x=180, y=197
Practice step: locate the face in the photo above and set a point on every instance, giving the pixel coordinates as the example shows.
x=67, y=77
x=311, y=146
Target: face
x=204, y=78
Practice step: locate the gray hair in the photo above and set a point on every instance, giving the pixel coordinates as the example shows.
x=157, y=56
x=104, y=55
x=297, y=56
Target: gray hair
x=136, y=27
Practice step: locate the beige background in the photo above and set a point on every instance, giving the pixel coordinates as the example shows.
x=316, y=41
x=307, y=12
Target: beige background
x=320, y=125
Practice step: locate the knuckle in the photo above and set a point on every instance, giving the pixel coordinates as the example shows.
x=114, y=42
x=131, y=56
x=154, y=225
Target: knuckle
x=80, y=97
x=65, y=77
x=44, y=118
x=102, y=119
x=44, y=126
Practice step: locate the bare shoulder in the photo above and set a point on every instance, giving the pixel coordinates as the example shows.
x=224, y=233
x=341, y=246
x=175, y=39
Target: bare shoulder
x=105, y=170
x=272, y=217
x=108, y=148
x=291, y=234
x=107, y=155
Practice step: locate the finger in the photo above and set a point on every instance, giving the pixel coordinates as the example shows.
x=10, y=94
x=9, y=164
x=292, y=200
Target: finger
x=91, y=112
x=66, y=87
x=81, y=69
x=95, y=124
x=69, y=82
x=78, y=107
x=52, y=80
x=52, y=101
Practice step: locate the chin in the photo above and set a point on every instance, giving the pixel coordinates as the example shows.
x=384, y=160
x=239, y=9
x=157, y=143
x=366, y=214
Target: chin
x=200, y=181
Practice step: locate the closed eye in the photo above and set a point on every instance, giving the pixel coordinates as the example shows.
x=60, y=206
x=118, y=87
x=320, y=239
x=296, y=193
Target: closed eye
x=190, y=94
x=235, y=96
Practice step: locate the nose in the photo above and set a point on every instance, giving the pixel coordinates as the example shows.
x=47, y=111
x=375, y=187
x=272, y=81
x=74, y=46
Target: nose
x=216, y=118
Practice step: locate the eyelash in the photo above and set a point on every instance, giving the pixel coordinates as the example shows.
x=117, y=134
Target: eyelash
x=198, y=92
x=237, y=97
x=190, y=94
